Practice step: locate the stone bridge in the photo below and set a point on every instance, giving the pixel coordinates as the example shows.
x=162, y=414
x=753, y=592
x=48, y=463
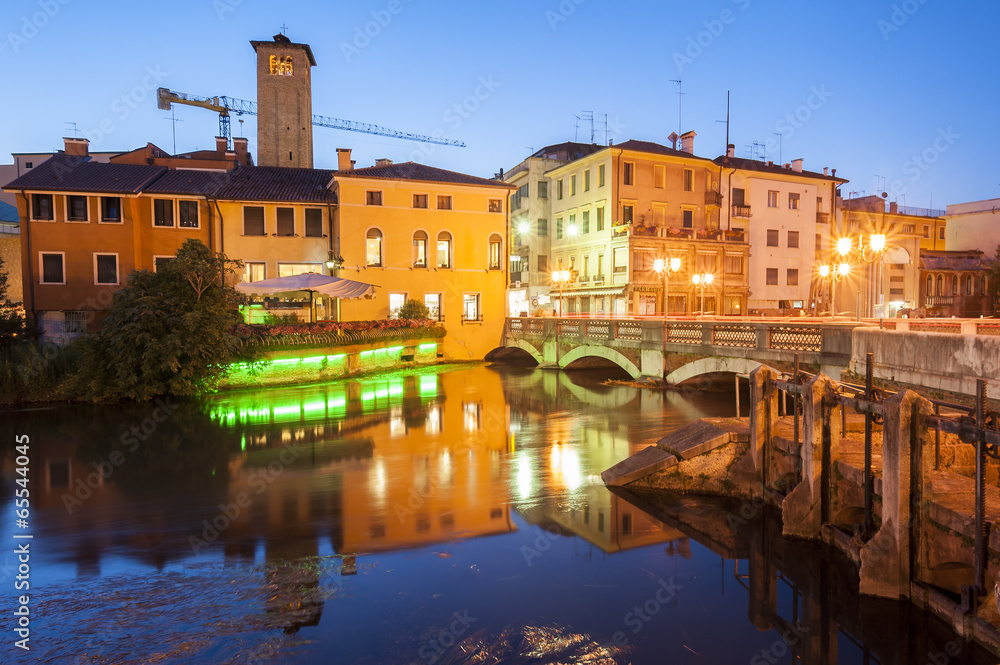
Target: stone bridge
x=681, y=349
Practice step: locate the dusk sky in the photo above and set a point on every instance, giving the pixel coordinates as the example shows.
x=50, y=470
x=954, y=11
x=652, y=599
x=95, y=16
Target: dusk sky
x=898, y=96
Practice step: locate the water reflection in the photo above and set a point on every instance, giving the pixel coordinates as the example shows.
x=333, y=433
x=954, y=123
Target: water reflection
x=320, y=519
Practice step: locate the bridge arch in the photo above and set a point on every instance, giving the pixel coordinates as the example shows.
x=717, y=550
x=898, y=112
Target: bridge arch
x=712, y=365
x=605, y=352
x=512, y=344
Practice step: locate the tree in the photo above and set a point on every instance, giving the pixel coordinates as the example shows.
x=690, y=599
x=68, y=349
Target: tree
x=11, y=315
x=167, y=332
x=413, y=309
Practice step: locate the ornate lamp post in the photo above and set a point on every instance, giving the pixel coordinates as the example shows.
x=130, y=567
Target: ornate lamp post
x=701, y=279
x=665, y=267
x=832, y=273
x=560, y=279
x=857, y=251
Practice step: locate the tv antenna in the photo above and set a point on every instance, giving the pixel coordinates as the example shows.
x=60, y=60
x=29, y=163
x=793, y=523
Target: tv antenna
x=680, y=100
x=66, y=122
x=173, y=126
x=780, y=136
x=727, y=123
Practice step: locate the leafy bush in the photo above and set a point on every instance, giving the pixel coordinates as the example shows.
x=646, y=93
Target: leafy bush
x=413, y=309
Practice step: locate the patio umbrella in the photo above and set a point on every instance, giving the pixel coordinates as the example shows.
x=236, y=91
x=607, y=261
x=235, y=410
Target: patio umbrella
x=335, y=287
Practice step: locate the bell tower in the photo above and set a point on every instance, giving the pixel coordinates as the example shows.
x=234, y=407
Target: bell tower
x=284, y=103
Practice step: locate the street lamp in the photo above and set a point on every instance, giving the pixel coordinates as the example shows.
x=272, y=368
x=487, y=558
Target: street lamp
x=665, y=267
x=857, y=251
x=560, y=278
x=833, y=273
x=701, y=279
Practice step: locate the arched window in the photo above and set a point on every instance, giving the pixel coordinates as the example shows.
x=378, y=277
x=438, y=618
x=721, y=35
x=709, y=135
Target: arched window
x=968, y=285
x=496, y=242
x=982, y=286
x=420, y=249
x=930, y=285
x=940, y=285
x=373, y=246
x=954, y=285
x=444, y=250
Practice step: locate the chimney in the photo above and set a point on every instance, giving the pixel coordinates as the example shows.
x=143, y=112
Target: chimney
x=344, y=161
x=687, y=142
x=240, y=146
x=76, y=147
x=833, y=172
x=797, y=165
x=893, y=207
x=826, y=170
x=730, y=150
x=221, y=144
x=383, y=162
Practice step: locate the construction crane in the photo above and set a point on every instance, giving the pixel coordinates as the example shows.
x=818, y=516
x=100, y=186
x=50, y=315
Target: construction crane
x=226, y=105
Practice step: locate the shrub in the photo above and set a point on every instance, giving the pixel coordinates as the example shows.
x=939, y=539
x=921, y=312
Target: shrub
x=413, y=309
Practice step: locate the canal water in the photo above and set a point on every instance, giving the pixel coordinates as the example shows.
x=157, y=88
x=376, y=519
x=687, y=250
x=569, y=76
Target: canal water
x=446, y=515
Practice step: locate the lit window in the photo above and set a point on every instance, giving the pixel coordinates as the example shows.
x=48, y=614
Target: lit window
x=626, y=214
x=586, y=180
x=253, y=271
x=420, y=249
x=373, y=248
x=495, y=205
x=433, y=303
x=444, y=250
x=396, y=301
x=600, y=175
x=470, y=307
x=585, y=219
x=600, y=219
x=495, y=246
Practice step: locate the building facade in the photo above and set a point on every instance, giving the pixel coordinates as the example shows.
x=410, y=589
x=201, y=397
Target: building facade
x=973, y=226
x=955, y=283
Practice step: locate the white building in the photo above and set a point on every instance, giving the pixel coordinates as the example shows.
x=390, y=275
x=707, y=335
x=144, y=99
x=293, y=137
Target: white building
x=973, y=225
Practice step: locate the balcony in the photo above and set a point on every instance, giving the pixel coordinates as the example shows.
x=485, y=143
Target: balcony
x=713, y=199
x=938, y=301
x=822, y=218
x=741, y=211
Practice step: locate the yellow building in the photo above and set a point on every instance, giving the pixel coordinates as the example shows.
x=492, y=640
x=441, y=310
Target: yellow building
x=426, y=234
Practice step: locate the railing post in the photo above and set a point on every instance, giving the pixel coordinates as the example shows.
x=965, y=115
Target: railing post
x=869, y=362
x=980, y=580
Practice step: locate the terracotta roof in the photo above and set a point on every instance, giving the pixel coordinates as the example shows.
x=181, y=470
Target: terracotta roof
x=764, y=167
x=67, y=173
x=415, y=171
x=655, y=148
x=187, y=182
x=277, y=183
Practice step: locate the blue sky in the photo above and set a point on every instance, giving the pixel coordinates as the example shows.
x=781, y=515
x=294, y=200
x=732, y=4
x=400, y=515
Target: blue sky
x=898, y=96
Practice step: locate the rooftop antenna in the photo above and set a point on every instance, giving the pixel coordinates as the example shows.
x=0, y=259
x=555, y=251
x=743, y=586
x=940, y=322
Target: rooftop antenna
x=879, y=182
x=241, y=127
x=173, y=125
x=284, y=28
x=727, y=123
x=605, y=128
x=780, y=136
x=576, y=129
x=680, y=99
x=74, y=127
x=589, y=115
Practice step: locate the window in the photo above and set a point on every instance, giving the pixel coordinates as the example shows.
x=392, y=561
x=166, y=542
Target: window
x=286, y=222
x=41, y=206
x=739, y=197
x=543, y=227
x=620, y=260
x=160, y=262
x=968, y=285
x=626, y=214
x=819, y=242
x=75, y=321
x=290, y=269
x=559, y=189
x=470, y=307
x=793, y=238
x=444, y=203
x=373, y=248
x=909, y=228
x=772, y=276
x=253, y=271
x=52, y=268
x=688, y=180
x=572, y=229
x=163, y=214
x=374, y=198
x=930, y=286
x=659, y=176
x=419, y=249
x=586, y=180
x=704, y=262
x=543, y=189
x=734, y=264
x=792, y=277
x=111, y=209
x=600, y=218
x=600, y=266
x=940, y=285
x=433, y=303
x=419, y=200
x=76, y=208
x=444, y=250
x=586, y=266
x=105, y=268
x=28, y=165
x=314, y=223
x=559, y=228
x=600, y=175
x=585, y=221
x=396, y=301
x=927, y=230
x=543, y=263
x=495, y=205
x=793, y=201
x=496, y=242
x=188, y=214
x=688, y=218
x=941, y=233
x=253, y=221
x=572, y=185
x=772, y=198
x=954, y=285
x=772, y=237
x=628, y=173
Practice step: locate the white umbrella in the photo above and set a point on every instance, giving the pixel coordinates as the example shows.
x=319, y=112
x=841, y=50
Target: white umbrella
x=335, y=287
